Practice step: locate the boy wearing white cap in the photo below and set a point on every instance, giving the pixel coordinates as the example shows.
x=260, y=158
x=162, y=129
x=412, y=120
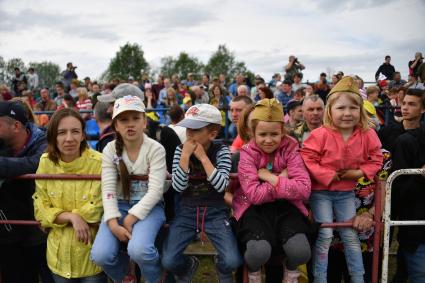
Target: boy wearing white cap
x=202, y=208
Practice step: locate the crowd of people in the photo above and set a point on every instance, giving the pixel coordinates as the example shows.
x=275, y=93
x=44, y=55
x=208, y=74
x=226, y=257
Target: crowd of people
x=304, y=154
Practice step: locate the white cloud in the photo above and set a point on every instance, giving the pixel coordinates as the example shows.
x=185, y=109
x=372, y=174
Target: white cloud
x=352, y=36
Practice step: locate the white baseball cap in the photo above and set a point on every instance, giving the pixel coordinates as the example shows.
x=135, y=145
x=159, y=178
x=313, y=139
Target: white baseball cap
x=200, y=115
x=121, y=90
x=128, y=103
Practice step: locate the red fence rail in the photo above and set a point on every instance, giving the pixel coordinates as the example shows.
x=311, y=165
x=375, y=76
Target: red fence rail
x=377, y=215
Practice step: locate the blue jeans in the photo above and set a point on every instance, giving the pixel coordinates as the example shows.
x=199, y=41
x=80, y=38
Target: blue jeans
x=183, y=232
x=415, y=264
x=108, y=253
x=325, y=205
x=98, y=278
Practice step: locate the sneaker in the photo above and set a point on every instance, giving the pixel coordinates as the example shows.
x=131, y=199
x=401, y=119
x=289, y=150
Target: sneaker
x=291, y=276
x=187, y=278
x=254, y=277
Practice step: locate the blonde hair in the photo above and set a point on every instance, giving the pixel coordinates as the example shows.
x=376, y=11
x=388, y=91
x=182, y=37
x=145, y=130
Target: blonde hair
x=82, y=92
x=357, y=99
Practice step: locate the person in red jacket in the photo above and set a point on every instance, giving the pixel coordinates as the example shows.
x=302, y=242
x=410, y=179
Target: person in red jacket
x=337, y=155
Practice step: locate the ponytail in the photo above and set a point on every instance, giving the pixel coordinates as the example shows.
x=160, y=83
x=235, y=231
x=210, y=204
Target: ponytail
x=125, y=176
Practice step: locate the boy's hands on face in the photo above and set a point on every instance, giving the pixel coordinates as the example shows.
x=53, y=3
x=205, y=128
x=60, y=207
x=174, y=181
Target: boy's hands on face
x=189, y=147
x=199, y=152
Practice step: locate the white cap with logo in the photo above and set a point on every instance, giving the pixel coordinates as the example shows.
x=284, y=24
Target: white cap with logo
x=201, y=115
x=128, y=103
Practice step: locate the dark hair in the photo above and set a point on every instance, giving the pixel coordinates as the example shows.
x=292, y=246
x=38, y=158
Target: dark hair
x=60, y=84
x=52, y=132
x=300, y=75
x=418, y=93
x=69, y=98
x=31, y=69
x=243, y=98
x=287, y=82
x=176, y=113
x=388, y=56
x=267, y=91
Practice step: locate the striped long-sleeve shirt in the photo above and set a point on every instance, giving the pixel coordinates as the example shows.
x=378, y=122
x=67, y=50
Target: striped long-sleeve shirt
x=209, y=191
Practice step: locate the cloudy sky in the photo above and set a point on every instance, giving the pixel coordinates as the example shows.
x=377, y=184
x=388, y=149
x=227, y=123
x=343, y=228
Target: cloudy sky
x=353, y=36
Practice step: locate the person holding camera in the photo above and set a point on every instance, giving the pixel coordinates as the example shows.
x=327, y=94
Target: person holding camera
x=68, y=75
x=293, y=67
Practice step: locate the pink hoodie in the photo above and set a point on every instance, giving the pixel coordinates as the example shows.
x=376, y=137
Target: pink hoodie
x=325, y=152
x=253, y=191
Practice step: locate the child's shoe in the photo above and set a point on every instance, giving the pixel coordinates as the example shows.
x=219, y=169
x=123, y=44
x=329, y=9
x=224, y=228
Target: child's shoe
x=187, y=278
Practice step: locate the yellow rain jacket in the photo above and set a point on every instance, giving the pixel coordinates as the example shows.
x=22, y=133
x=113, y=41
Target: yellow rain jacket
x=66, y=256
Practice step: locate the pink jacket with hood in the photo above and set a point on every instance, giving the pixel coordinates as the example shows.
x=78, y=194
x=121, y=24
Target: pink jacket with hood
x=253, y=191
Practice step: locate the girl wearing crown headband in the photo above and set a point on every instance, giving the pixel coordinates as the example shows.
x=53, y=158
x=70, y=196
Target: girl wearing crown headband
x=133, y=209
x=337, y=155
x=269, y=205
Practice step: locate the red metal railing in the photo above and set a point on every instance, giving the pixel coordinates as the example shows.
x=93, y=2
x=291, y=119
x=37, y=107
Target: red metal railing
x=377, y=215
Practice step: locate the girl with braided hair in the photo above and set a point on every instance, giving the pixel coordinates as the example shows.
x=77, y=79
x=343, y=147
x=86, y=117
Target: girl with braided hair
x=133, y=209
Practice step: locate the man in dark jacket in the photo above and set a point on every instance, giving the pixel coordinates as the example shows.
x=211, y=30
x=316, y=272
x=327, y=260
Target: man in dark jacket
x=22, y=248
x=386, y=69
x=408, y=196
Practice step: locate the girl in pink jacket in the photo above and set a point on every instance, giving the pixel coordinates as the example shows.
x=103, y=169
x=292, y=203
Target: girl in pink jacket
x=337, y=155
x=269, y=204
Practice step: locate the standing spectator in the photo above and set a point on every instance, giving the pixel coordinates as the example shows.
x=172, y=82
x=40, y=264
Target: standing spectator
x=19, y=82
x=242, y=90
x=190, y=80
x=71, y=210
x=385, y=69
x=293, y=67
x=69, y=75
x=87, y=83
x=415, y=63
x=84, y=102
x=32, y=80
x=23, y=248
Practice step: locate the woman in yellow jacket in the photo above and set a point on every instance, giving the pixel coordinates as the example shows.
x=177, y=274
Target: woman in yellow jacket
x=69, y=209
